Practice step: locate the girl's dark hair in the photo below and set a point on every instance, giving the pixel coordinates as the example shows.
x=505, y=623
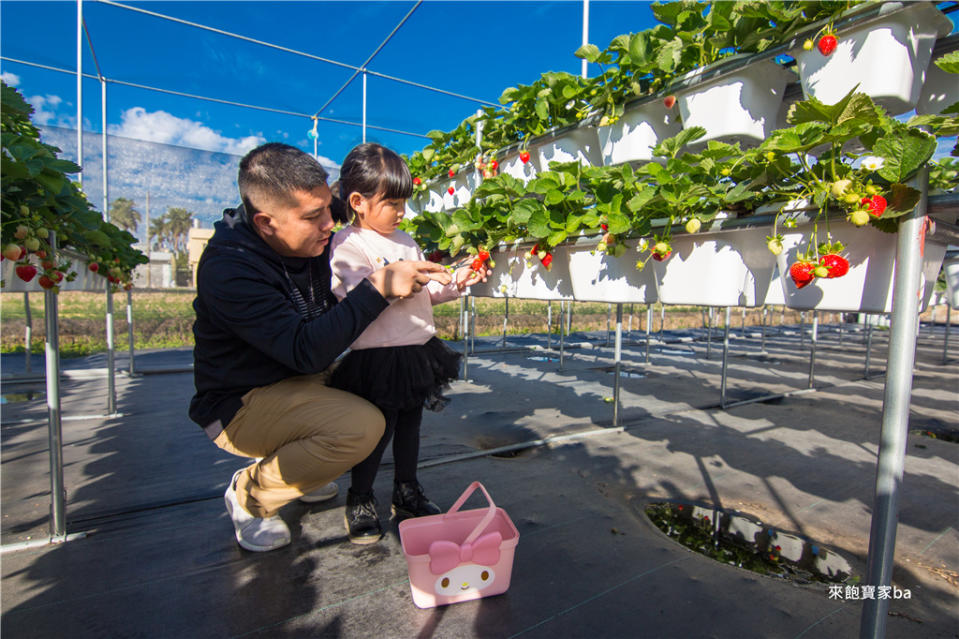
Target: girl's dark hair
x=371, y=168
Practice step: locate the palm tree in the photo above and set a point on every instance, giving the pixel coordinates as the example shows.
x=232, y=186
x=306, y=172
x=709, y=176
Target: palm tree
x=158, y=232
x=178, y=222
x=123, y=215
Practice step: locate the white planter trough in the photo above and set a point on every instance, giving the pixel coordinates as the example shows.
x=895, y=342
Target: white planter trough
x=951, y=267
x=633, y=137
x=727, y=268
x=887, y=58
x=433, y=198
x=742, y=106
x=941, y=89
x=512, y=278
x=524, y=171
x=463, y=185
x=86, y=279
x=416, y=203
x=580, y=144
x=602, y=278
x=868, y=285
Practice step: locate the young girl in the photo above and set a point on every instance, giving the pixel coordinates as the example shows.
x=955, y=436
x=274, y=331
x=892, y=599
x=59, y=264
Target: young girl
x=397, y=363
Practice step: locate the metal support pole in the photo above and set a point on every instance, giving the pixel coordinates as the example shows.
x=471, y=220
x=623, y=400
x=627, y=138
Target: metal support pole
x=649, y=324
x=702, y=311
x=617, y=358
x=722, y=384
x=709, y=334
x=762, y=343
x=569, y=317
x=464, y=323
x=549, y=323
x=472, y=323
x=111, y=353
x=562, y=331
x=79, y=175
x=802, y=329
x=58, y=521
x=130, y=327
x=28, y=336
x=744, y=322
x=945, y=340
x=840, y=328
x=782, y=319
x=868, y=344
x=895, y=409
x=662, y=319
x=585, y=32
x=609, y=312
x=505, y=320
x=629, y=322
x=812, y=349
x=364, y=106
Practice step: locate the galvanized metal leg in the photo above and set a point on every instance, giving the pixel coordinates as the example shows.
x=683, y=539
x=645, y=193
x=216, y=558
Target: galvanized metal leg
x=762, y=343
x=629, y=325
x=617, y=358
x=130, y=327
x=464, y=325
x=649, y=324
x=782, y=319
x=722, y=385
x=472, y=324
x=744, y=322
x=662, y=319
x=505, y=320
x=549, y=322
x=562, y=335
x=58, y=521
x=895, y=411
x=812, y=349
x=868, y=344
x=702, y=311
x=709, y=334
x=802, y=329
x=28, y=332
x=609, y=312
x=945, y=340
x=111, y=358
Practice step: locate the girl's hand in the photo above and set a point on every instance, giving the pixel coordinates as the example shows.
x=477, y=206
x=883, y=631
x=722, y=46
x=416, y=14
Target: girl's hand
x=466, y=276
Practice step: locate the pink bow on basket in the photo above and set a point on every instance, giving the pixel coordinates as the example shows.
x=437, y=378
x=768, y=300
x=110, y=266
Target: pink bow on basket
x=446, y=555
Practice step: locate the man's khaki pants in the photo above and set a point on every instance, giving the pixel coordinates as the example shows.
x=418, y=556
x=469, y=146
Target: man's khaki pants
x=307, y=433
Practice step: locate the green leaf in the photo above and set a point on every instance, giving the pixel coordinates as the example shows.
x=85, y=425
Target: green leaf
x=538, y=224
x=589, y=52
x=902, y=199
x=554, y=196
x=541, y=108
x=903, y=155
x=949, y=62
x=669, y=55
x=618, y=223
x=556, y=237
x=639, y=49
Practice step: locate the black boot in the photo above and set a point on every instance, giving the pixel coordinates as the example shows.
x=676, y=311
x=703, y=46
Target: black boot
x=409, y=501
x=362, y=524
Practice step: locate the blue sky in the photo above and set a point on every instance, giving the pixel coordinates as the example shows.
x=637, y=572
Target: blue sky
x=475, y=49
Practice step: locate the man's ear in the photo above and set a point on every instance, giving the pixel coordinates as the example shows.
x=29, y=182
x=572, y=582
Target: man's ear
x=263, y=224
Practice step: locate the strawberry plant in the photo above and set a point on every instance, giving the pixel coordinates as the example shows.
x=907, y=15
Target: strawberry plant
x=38, y=198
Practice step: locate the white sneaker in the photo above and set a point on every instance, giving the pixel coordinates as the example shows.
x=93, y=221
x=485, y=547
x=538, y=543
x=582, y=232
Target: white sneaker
x=323, y=493
x=258, y=534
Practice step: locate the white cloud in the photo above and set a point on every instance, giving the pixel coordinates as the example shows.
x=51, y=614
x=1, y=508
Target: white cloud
x=10, y=78
x=45, y=108
x=162, y=127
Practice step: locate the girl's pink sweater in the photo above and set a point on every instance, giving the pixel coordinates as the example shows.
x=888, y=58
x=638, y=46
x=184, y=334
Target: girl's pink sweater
x=358, y=252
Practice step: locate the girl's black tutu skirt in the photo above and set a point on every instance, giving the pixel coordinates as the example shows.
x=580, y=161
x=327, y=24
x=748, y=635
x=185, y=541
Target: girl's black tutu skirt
x=399, y=377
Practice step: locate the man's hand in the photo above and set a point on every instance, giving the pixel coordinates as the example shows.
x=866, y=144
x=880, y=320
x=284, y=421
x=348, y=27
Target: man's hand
x=405, y=278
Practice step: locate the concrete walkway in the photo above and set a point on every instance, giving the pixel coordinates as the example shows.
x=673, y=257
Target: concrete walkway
x=159, y=558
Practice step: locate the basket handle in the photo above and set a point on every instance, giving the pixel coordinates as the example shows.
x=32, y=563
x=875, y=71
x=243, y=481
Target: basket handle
x=487, y=518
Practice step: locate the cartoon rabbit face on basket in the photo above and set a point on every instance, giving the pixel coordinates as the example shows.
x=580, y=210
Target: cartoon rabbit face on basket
x=465, y=568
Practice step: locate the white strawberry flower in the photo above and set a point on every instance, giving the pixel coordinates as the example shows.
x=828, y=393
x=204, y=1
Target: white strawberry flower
x=872, y=163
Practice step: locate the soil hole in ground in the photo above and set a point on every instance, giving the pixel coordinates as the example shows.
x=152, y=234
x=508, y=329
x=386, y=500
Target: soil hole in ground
x=744, y=541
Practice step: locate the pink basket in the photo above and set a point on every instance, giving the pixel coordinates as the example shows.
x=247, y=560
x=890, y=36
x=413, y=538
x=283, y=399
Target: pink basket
x=459, y=555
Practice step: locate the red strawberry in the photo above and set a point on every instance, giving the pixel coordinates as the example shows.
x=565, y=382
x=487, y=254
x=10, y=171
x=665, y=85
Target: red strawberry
x=661, y=251
x=605, y=227
x=802, y=273
x=47, y=265
x=94, y=267
x=41, y=254
x=837, y=265
x=483, y=255
x=524, y=156
x=493, y=165
x=452, y=173
x=547, y=261
x=451, y=190
x=58, y=276
x=669, y=101
x=827, y=44
x=26, y=272
x=417, y=181
x=876, y=204
x=659, y=257
x=46, y=282
x=435, y=256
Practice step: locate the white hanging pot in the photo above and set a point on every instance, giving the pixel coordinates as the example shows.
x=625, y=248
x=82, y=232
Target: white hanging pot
x=887, y=58
x=511, y=277
x=940, y=90
x=580, y=144
x=597, y=277
x=727, y=268
x=951, y=267
x=514, y=166
x=633, y=137
x=868, y=285
x=742, y=106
